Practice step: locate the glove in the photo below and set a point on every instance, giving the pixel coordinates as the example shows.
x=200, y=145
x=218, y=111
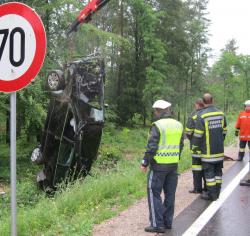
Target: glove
x=236, y=133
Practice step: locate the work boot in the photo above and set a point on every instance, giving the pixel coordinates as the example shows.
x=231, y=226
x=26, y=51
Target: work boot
x=245, y=183
x=195, y=191
x=168, y=226
x=152, y=229
x=206, y=197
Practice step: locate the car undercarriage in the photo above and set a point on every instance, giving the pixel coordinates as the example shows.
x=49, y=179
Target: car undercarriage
x=74, y=123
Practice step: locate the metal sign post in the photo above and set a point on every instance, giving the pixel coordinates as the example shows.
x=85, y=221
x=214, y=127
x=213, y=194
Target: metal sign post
x=13, y=161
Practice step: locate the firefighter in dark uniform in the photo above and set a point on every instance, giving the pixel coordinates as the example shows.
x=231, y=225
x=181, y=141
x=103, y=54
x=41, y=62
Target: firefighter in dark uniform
x=196, y=158
x=209, y=134
x=164, y=147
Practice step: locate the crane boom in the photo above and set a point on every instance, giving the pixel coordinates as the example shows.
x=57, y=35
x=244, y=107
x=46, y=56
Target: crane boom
x=85, y=15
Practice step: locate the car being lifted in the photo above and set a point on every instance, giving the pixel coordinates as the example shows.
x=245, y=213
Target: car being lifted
x=74, y=122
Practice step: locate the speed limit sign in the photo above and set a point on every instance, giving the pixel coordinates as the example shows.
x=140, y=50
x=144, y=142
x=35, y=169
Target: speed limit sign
x=22, y=52
x=22, y=46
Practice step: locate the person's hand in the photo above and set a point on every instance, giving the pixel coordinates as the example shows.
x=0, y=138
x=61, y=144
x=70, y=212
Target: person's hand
x=236, y=133
x=144, y=169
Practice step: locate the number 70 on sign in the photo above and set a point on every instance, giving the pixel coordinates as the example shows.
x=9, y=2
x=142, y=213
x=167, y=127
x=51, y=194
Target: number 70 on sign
x=5, y=32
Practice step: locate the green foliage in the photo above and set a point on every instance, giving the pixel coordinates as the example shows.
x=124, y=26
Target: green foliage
x=228, y=79
x=108, y=157
x=167, y=55
x=31, y=109
x=110, y=115
x=186, y=160
x=153, y=49
x=81, y=205
x=230, y=137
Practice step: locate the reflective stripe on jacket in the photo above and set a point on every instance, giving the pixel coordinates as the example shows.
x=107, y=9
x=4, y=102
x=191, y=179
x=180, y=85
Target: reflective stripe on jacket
x=210, y=131
x=169, y=144
x=189, y=130
x=190, y=125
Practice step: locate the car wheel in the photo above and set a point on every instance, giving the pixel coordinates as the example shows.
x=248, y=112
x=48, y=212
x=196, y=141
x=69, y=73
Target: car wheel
x=55, y=81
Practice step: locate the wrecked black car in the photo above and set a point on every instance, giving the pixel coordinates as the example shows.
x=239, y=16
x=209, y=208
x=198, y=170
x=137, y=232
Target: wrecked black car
x=74, y=122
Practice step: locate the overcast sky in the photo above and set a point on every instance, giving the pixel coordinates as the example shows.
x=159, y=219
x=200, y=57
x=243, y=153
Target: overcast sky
x=229, y=19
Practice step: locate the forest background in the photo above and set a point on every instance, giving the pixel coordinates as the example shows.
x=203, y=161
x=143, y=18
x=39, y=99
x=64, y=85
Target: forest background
x=154, y=49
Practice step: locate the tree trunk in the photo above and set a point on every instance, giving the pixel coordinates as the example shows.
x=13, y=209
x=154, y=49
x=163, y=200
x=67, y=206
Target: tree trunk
x=224, y=79
x=144, y=116
x=185, y=101
x=119, y=79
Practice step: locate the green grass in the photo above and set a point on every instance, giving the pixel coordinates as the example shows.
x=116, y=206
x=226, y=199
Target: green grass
x=230, y=138
x=74, y=210
x=116, y=183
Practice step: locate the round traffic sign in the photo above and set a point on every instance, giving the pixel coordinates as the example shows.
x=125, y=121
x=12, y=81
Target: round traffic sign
x=22, y=46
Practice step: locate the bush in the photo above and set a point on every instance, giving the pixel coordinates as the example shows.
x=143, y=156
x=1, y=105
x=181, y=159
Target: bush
x=108, y=157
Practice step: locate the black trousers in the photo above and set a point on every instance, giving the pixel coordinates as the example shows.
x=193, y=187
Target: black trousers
x=213, y=176
x=198, y=174
x=161, y=213
x=242, y=148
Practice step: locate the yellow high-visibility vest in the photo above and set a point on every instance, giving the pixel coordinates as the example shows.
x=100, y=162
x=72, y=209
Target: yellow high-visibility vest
x=169, y=145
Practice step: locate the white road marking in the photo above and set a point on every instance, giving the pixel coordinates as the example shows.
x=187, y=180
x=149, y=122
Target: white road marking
x=203, y=219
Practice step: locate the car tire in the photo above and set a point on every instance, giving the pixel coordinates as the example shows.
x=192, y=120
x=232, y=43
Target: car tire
x=55, y=81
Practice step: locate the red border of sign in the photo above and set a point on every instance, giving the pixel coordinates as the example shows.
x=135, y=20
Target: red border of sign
x=32, y=17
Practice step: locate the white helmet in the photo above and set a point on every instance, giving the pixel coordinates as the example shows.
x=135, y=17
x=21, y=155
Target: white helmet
x=247, y=103
x=161, y=104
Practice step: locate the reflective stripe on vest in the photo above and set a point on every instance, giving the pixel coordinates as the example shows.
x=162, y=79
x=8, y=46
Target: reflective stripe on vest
x=169, y=145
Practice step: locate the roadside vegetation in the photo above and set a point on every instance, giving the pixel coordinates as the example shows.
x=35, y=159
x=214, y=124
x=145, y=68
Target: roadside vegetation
x=230, y=138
